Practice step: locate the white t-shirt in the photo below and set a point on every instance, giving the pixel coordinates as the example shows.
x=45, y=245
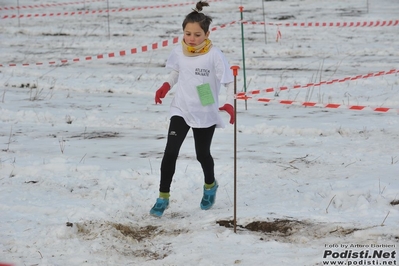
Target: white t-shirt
x=211, y=68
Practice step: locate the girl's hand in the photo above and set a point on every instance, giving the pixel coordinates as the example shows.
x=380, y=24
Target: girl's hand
x=161, y=92
x=230, y=110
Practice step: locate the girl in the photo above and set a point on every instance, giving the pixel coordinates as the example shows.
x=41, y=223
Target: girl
x=198, y=70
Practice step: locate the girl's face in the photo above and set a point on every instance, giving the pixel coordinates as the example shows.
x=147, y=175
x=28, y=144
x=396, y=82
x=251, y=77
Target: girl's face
x=194, y=34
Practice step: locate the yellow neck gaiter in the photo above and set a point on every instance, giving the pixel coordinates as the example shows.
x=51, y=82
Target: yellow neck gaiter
x=200, y=49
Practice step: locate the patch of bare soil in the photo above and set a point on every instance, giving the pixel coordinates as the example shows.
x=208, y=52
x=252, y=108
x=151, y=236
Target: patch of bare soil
x=283, y=227
x=290, y=230
x=137, y=233
x=351, y=12
x=126, y=239
x=394, y=202
x=97, y=135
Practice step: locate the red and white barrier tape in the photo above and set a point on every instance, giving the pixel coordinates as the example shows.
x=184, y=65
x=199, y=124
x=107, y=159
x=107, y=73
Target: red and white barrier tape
x=47, y=5
x=245, y=96
x=222, y=26
x=327, y=82
x=145, y=48
x=328, y=24
x=87, y=12
x=384, y=23
x=330, y=105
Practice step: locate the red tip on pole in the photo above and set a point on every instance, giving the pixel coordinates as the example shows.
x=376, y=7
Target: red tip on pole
x=235, y=70
x=241, y=8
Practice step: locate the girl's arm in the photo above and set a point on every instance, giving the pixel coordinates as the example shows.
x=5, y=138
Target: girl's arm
x=229, y=93
x=172, y=78
x=164, y=89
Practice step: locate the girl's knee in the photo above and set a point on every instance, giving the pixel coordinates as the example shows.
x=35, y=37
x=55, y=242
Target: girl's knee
x=204, y=157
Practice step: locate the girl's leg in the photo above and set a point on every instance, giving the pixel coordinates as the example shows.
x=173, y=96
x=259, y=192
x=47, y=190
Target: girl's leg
x=176, y=134
x=203, y=140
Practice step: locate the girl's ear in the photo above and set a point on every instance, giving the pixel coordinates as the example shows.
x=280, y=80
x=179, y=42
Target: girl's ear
x=207, y=34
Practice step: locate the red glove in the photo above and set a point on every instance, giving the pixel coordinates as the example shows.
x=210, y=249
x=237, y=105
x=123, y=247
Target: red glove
x=161, y=92
x=230, y=110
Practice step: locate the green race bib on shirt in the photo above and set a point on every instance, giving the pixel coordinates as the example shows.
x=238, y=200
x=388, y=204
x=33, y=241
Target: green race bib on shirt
x=205, y=94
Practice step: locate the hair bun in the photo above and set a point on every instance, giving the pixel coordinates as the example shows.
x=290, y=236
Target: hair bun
x=199, y=5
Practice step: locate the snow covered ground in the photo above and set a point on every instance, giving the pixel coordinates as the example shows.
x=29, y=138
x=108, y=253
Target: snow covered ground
x=81, y=142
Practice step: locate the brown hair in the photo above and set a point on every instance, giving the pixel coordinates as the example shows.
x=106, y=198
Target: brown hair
x=196, y=16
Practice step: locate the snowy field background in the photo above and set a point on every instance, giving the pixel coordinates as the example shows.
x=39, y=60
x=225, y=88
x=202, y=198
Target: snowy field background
x=81, y=143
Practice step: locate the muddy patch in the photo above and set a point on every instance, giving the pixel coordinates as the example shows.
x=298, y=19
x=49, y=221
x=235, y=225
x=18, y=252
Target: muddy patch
x=137, y=233
x=394, y=202
x=129, y=232
x=291, y=230
x=97, y=135
x=351, y=12
x=147, y=242
x=284, y=17
x=282, y=227
x=127, y=239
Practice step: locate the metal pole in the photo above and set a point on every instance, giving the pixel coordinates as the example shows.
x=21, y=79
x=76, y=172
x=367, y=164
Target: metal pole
x=243, y=52
x=264, y=20
x=235, y=72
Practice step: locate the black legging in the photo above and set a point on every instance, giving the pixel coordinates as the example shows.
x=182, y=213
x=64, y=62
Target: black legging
x=178, y=130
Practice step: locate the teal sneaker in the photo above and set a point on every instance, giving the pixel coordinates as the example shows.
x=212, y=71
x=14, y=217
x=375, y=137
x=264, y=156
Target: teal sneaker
x=160, y=206
x=208, y=199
